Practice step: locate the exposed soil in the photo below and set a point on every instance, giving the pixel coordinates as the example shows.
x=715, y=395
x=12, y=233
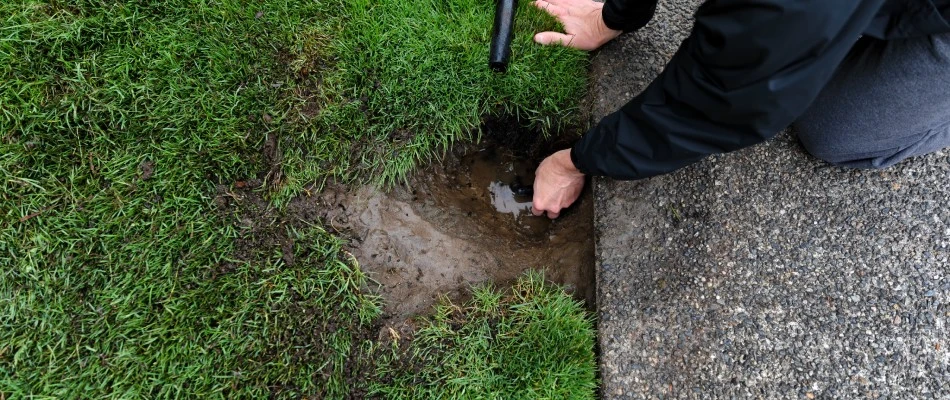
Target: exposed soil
x=459, y=224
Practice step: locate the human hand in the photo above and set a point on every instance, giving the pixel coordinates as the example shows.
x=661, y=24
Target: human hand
x=583, y=21
x=557, y=184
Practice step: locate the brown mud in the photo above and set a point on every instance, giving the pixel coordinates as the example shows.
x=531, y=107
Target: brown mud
x=458, y=224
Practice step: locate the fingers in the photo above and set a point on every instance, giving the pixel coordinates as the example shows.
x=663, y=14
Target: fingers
x=553, y=38
x=536, y=212
x=540, y=212
x=550, y=7
x=551, y=213
x=549, y=38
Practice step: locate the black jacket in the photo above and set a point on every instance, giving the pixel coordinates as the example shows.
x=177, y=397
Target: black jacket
x=748, y=69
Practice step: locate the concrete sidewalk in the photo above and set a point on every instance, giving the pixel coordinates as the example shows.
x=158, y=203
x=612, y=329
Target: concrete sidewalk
x=765, y=273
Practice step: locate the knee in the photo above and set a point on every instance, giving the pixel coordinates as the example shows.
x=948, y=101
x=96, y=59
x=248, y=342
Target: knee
x=824, y=143
x=845, y=147
x=812, y=143
x=838, y=146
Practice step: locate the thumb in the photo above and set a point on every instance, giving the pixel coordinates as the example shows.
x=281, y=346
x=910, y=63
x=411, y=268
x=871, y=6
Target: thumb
x=536, y=212
x=549, y=38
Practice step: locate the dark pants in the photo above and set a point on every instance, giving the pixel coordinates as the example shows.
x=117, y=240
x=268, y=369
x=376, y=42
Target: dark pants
x=889, y=100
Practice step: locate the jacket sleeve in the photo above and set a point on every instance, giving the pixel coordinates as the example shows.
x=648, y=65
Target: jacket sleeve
x=628, y=15
x=747, y=70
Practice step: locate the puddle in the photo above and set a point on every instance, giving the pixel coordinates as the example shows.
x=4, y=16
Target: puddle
x=455, y=225
x=496, y=176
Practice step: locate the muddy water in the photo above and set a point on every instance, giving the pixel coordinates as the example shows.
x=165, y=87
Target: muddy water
x=456, y=225
x=495, y=175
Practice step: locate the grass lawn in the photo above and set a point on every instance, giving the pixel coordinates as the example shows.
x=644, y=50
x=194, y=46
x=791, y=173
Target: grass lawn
x=120, y=122
x=527, y=343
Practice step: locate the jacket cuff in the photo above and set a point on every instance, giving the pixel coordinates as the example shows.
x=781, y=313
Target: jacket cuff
x=628, y=15
x=576, y=160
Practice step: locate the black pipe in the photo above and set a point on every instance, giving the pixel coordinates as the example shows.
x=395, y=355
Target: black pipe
x=501, y=35
x=521, y=190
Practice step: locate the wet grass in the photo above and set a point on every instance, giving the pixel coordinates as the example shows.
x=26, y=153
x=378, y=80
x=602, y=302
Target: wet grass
x=122, y=122
x=403, y=80
x=118, y=275
x=528, y=342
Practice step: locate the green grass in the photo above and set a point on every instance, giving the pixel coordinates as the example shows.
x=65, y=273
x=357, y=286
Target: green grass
x=531, y=342
x=405, y=79
x=122, y=122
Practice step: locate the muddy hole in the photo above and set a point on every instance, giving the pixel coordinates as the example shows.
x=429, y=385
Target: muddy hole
x=460, y=223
